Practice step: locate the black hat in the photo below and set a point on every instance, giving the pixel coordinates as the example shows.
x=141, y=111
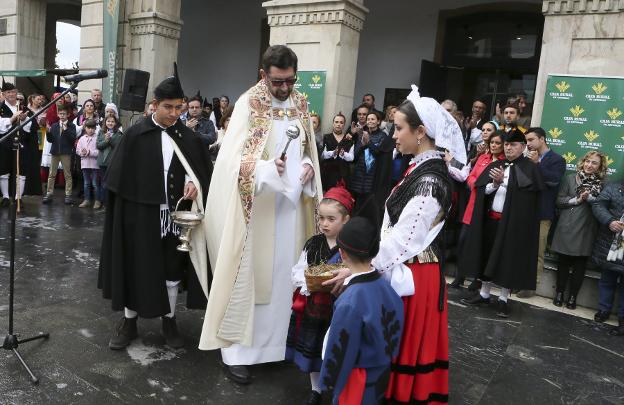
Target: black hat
x=6, y=86
x=359, y=238
x=515, y=135
x=205, y=103
x=170, y=87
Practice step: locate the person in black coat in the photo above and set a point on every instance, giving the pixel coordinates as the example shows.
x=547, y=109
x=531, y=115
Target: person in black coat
x=609, y=211
x=140, y=267
x=337, y=155
x=502, y=241
x=552, y=168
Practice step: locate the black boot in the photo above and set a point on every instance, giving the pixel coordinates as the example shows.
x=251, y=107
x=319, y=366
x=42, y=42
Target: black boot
x=571, y=304
x=457, y=283
x=558, y=300
x=476, y=301
x=601, y=316
x=618, y=330
x=170, y=333
x=475, y=285
x=239, y=374
x=125, y=332
x=503, y=309
x=314, y=398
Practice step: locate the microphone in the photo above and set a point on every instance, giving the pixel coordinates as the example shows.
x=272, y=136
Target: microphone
x=96, y=74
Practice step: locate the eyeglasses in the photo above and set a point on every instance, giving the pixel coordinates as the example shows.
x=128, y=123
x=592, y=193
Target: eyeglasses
x=280, y=82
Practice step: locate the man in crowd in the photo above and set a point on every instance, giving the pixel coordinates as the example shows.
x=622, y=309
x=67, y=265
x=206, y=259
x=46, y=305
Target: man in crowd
x=552, y=168
x=158, y=163
x=368, y=100
x=261, y=213
x=474, y=123
x=358, y=126
x=503, y=234
x=197, y=122
x=96, y=96
x=12, y=114
x=510, y=115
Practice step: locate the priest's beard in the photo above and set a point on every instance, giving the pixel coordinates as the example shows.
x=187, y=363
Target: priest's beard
x=278, y=93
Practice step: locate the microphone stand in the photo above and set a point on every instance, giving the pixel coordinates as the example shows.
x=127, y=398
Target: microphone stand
x=11, y=340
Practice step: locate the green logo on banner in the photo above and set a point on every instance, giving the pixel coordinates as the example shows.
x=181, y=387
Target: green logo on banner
x=586, y=113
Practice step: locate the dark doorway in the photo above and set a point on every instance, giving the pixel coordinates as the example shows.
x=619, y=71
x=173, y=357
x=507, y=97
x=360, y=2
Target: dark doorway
x=486, y=54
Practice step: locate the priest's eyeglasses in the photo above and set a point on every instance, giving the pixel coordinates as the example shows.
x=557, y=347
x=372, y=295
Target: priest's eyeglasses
x=280, y=82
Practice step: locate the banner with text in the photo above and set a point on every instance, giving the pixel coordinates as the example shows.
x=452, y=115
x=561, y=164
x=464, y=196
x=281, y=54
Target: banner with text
x=312, y=85
x=586, y=113
x=111, y=24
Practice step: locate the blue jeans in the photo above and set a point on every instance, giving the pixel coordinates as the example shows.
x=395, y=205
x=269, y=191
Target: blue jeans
x=92, y=189
x=607, y=286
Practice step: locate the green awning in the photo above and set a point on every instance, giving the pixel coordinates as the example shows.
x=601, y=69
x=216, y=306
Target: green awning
x=24, y=73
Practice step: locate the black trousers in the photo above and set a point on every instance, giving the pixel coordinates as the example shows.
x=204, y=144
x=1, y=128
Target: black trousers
x=578, y=265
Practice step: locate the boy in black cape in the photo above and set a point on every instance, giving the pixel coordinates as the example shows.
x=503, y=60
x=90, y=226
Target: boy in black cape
x=502, y=241
x=140, y=268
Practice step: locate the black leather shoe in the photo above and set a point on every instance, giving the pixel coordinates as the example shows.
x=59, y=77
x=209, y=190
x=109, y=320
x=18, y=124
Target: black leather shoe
x=47, y=199
x=618, y=330
x=475, y=285
x=571, y=304
x=170, y=333
x=315, y=398
x=239, y=374
x=558, y=300
x=503, y=309
x=125, y=333
x=601, y=316
x=457, y=283
x=475, y=301
x=5, y=203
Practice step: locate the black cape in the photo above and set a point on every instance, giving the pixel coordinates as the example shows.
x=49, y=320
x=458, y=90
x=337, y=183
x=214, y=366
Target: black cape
x=133, y=256
x=508, y=258
x=29, y=155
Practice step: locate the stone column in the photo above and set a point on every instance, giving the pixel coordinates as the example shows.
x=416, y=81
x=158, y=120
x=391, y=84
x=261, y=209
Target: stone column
x=91, y=44
x=581, y=37
x=22, y=33
x=325, y=35
x=154, y=31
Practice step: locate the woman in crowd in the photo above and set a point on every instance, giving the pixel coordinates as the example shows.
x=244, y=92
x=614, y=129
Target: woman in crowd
x=88, y=113
x=388, y=123
x=491, y=151
x=370, y=183
x=318, y=134
x=576, y=229
x=608, y=250
x=337, y=155
x=224, y=123
x=108, y=137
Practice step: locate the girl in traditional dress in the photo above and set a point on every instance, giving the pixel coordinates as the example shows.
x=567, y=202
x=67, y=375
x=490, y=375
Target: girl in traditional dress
x=411, y=251
x=312, y=312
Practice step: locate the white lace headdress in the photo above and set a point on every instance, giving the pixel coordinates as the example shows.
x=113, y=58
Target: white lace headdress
x=440, y=125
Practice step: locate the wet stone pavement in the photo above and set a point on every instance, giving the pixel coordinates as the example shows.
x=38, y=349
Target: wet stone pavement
x=534, y=357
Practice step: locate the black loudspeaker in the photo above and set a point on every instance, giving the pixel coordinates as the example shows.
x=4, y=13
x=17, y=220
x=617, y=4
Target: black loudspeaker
x=134, y=90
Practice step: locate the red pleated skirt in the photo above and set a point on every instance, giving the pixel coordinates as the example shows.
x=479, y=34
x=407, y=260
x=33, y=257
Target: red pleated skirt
x=420, y=371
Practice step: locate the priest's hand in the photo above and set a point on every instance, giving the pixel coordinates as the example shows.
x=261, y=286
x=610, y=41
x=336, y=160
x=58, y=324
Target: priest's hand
x=190, y=191
x=497, y=175
x=338, y=281
x=308, y=173
x=281, y=165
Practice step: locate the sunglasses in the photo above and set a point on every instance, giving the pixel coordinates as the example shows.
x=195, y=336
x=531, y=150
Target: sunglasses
x=280, y=82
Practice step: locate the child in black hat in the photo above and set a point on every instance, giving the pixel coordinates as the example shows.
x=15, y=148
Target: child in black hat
x=366, y=326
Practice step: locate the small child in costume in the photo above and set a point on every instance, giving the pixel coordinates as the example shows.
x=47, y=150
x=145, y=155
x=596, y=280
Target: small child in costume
x=366, y=325
x=312, y=312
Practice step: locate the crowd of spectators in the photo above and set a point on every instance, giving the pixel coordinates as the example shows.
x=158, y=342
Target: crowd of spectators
x=580, y=213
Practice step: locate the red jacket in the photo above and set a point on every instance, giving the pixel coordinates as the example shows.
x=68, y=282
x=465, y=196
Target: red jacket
x=482, y=162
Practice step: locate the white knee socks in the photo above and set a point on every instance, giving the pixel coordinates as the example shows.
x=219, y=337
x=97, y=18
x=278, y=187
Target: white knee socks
x=315, y=381
x=4, y=186
x=504, y=294
x=128, y=313
x=172, y=292
x=485, y=289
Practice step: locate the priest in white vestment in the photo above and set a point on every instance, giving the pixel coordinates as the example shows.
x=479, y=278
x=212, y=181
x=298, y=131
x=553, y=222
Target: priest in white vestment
x=260, y=212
